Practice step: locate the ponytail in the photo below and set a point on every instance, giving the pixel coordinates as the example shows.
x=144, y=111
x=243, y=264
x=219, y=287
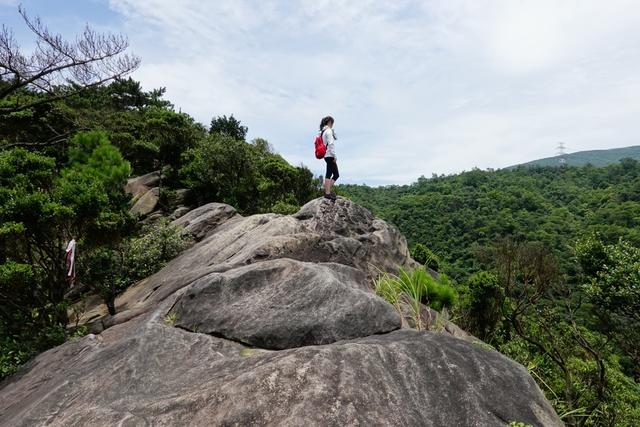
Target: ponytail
x=325, y=121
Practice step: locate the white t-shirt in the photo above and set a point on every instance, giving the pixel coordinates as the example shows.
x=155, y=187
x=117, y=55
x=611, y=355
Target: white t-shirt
x=328, y=139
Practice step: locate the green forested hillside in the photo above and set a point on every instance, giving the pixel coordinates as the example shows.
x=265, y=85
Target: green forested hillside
x=592, y=157
x=547, y=265
x=456, y=215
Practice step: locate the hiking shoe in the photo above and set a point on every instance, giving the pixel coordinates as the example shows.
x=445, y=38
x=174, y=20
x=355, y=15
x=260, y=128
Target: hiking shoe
x=329, y=196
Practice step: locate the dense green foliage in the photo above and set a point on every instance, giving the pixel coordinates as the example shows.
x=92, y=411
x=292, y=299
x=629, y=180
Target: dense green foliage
x=42, y=207
x=246, y=176
x=547, y=263
x=229, y=127
x=424, y=256
x=111, y=269
x=63, y=167
x=456, y=215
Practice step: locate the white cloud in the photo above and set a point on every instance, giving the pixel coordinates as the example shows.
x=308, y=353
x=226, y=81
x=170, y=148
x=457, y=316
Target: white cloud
x=417, y=87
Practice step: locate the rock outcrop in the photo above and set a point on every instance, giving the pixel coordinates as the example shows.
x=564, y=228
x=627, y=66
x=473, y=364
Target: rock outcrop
x=147, y=203
x=139, y=185
x=284, y=303
x=270, y=320
x=201, y=221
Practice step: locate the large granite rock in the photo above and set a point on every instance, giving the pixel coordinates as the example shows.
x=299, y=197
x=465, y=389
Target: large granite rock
x=145, y=372
x=229, y=240
x=285, y=303
x=141, y=184
x=193, y=344
x=201, y=221
x=147, y=203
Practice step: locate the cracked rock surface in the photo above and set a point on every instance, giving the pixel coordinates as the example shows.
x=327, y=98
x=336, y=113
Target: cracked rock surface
x=271, y=320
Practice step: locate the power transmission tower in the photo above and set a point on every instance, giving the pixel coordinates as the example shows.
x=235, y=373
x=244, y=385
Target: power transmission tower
x=562, y=154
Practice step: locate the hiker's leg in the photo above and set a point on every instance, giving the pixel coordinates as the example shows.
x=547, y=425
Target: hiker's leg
x=327, y=177
x=333, y=168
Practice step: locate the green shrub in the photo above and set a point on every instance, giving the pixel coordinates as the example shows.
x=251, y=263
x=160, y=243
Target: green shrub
x=440, y=294
x=167, y=199
x=13, y=354
x=110, y=270
x=425, y=256
x=284, y=208
x=158, y=244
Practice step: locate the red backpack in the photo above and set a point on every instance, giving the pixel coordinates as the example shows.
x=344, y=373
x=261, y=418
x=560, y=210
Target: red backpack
x=321, y=149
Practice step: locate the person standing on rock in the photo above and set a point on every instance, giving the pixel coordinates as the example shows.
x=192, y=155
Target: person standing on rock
x=329, y=138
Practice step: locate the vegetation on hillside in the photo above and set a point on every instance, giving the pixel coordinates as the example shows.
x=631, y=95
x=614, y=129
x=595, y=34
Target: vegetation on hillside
x=547, y=265
x=590, y=157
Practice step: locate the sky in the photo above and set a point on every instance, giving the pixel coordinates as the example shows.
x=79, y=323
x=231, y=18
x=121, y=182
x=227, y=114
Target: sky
x=416, y=87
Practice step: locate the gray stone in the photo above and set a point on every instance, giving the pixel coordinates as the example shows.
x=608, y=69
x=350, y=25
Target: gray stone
x=182, y=194
x=203, y=220
x=147, y=203
x=141, y=184
x=179, y=212
x=285, y=303
x=230, y=240
x=145, y=372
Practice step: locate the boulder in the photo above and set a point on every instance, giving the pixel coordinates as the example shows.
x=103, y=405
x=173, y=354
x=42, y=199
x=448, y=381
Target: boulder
x=141, y=184
x=179, y=212
x=147, y=203
x=284, y=303
x=147, y=372
x=181, y=196
x=201, y=221
x=229, y=240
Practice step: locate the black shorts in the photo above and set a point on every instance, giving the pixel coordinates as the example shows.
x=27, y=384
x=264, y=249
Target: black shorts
x=332, y=168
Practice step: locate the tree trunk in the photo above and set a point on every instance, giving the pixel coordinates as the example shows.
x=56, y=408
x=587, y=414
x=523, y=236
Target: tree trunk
x=111, y=305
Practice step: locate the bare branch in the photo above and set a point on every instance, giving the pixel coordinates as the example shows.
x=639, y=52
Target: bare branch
x=90, y=60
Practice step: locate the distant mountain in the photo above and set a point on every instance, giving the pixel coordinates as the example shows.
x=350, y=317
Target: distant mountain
x=595, y=157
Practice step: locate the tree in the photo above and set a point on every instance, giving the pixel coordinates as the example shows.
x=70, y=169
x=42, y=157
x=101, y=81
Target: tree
x=40, y=210
x=262, y=146
x=110, y=269
x=484, y=304
x=223, y=169
x=230, y=127
x=58, y=68
x=612, y=276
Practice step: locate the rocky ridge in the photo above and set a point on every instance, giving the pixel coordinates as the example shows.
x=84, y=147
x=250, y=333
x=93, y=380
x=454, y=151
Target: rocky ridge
x=271, y=320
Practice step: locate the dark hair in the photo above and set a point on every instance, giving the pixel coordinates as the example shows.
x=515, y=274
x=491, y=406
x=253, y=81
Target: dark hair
x=325, y=121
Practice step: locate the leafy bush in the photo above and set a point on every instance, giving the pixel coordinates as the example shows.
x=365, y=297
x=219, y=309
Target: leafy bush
x=440, y=294
x=110, y=270
x=158, y=244
x=284, y=208
x=424, y=256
